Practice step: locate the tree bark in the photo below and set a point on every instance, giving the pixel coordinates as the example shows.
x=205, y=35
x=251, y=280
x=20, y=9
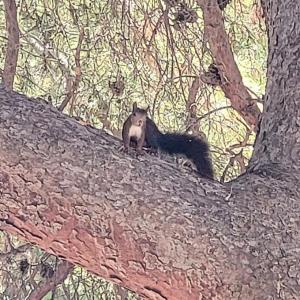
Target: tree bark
x=191, y=107
x=234, y=88
x=12, y=49
x=278, y=141
x=142, y=223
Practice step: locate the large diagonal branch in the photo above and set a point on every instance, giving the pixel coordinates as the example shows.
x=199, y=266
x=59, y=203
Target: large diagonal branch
x=233, y=86
x=143, y=223
x=13, y=44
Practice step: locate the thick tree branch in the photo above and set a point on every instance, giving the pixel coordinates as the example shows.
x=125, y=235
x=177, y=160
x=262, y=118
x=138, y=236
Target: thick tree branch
x=142, y=223
x=13, y=44
x=233, y=87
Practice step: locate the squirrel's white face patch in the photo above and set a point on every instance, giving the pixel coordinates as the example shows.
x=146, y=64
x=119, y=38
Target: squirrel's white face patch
x=135, y=131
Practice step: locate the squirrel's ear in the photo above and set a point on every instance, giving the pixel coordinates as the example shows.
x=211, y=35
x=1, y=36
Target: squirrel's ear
x=134, y=107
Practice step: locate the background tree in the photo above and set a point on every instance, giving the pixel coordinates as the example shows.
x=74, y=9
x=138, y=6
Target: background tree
x=12, y=50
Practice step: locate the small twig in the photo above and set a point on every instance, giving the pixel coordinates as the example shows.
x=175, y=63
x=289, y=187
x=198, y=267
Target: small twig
x=243, y=143
x=209, y=113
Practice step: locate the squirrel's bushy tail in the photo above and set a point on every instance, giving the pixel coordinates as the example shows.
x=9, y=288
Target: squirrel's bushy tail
x=192, y=147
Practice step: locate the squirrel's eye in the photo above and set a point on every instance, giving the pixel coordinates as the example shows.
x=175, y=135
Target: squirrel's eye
x=133, y=114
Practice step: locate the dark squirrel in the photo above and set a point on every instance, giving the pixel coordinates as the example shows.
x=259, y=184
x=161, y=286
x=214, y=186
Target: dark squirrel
x=134, y=128
x=192, y=147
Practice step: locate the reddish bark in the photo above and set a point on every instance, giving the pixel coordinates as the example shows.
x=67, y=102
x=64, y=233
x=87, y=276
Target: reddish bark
x=233, y=86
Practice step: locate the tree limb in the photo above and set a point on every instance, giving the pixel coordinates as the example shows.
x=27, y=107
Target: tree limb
x=75, y=84
x=43, y=288
x=233, y=87
x=13, y=44
x=142, y=223
x=191, y=107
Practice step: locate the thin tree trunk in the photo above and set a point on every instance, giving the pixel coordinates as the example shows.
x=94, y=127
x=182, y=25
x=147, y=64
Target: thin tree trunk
x=191, y=107
x=72, y=89
x=13, y=44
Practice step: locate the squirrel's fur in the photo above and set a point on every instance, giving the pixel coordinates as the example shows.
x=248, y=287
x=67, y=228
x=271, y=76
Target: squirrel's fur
x=192, y=147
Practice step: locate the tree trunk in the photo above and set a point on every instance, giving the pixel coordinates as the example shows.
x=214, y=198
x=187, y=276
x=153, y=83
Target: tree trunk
x=12, y=49
x=278, y=141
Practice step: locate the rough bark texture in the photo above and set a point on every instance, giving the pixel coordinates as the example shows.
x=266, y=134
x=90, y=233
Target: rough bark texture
x=12, y=50
x=279, y=142
x=233, y=86
x=143, y=223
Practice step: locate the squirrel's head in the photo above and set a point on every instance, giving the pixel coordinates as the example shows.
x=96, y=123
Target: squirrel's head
x=138, y=115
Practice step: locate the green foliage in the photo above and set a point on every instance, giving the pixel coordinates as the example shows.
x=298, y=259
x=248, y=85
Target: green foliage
x=17, y=279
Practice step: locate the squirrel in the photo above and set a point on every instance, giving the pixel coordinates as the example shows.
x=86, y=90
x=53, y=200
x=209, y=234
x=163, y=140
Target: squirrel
x=148, y=133
x=134, y=128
